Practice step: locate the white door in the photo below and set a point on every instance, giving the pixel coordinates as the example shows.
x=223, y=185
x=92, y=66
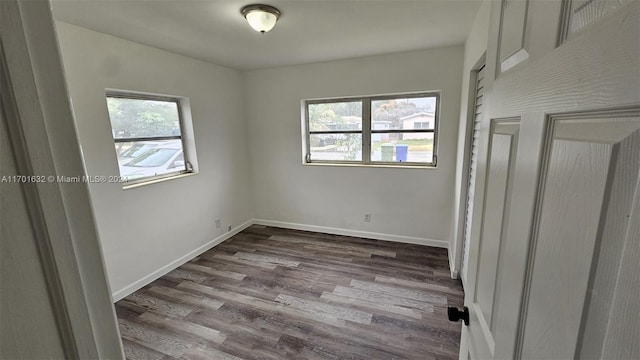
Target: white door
x=555, y=239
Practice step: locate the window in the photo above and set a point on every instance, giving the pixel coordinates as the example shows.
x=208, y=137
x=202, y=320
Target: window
x=376, y=130
x=147, y=131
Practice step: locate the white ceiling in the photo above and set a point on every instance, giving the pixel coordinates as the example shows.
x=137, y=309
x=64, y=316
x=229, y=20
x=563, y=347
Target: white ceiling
x=308, y=30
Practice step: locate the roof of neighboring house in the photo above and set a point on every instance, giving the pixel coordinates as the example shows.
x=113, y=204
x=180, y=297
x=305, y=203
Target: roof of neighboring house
x=420, y=114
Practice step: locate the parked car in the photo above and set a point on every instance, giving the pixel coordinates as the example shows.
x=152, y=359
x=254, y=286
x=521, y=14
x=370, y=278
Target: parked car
x=158, y=160
x=136, y=149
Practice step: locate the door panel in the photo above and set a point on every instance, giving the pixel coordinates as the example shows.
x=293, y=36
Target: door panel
x=587, y=161
x=575, y=186
x=608, y=261
x=578, y=14
x=513, y=27
x=502, y=154
x=623, y=327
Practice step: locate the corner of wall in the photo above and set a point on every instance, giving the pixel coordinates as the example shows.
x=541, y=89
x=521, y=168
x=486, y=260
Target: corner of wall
x=244, y=86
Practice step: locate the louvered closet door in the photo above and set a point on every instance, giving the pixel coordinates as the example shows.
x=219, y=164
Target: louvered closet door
x=472, y=166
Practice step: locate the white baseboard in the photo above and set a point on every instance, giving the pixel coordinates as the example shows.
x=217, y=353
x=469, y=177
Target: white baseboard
x=138, y=284
x=455, y=274
x=356, y=233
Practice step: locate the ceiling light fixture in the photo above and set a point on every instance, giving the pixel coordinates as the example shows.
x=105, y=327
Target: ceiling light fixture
x=262, y=18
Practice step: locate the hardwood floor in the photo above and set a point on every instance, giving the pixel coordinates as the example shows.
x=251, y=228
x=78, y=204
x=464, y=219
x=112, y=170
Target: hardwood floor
x=271, y=293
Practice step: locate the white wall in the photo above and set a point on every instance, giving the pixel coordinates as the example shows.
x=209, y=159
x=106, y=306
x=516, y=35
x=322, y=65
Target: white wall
x=144, y=229
x=410, y=204
x=474, y=48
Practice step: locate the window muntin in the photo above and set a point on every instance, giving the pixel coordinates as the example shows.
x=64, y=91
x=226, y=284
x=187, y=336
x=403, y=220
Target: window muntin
x=147, y=132
x=380, y=130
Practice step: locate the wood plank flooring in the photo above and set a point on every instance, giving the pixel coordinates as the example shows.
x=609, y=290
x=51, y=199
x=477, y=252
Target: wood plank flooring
x=271, y=293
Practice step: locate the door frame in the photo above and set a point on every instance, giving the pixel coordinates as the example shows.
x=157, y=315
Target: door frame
x=43, y=137
x=456, y=259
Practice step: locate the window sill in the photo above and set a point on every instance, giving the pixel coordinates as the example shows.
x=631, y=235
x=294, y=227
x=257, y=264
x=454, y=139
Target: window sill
x=384, y=166
x=158, y=180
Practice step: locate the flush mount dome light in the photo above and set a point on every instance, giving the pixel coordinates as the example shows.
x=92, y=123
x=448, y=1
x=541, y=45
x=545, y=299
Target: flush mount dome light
x=262, y=18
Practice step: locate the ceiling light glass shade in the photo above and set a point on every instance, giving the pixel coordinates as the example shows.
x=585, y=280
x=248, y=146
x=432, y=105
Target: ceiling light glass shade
x=261, y=21
x=261, y=18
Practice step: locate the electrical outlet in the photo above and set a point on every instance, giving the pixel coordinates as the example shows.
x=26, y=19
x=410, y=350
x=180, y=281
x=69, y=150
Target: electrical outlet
x=218, y=224
x=367, y=217
x=228, y=227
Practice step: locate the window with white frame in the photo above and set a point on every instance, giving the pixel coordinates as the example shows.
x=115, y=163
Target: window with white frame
x=398, y=129
x=147, y=132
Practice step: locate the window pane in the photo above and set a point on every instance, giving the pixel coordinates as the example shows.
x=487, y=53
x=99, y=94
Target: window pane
x=400, y=114
x=142, y=118
x=335, y=116
x=141, y=159
x=402, y=147
x=336, y=147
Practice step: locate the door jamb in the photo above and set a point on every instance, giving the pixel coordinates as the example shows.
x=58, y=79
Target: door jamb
x=44, y=140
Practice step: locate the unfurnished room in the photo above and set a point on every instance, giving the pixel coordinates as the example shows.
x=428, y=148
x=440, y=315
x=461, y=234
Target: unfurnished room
x=315, y=179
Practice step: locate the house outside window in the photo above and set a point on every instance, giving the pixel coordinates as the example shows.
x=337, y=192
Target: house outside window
x=397, y=130
x=418, y=124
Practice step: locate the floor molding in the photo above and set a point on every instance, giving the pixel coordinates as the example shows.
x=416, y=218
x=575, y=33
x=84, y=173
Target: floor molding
x=455, y=274
x=138, y=284
x=357, y=233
